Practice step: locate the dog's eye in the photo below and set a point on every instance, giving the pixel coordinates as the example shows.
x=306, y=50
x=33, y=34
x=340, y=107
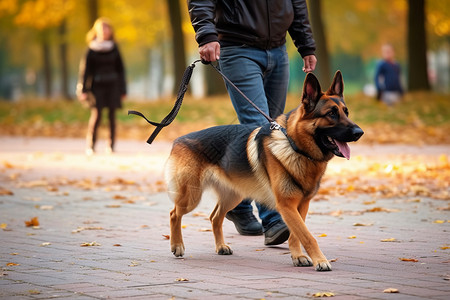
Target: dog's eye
x=346, y=111
x=333, y=113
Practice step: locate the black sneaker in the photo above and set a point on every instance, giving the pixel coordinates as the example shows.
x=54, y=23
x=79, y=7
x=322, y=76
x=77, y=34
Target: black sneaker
x=277, y=234
x=245, y=222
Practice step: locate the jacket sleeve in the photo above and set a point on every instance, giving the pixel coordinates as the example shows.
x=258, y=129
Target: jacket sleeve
x=121, y=71
x=300, y=29
x=202, y=14
x=85, y=74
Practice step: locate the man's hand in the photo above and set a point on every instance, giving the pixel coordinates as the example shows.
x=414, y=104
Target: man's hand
x=309, y=63
x=210, y=51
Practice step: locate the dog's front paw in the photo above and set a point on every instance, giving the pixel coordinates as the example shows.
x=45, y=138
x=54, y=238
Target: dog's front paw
x=323, y=265
x=178, y=250
x=302, y=261
x=224, y=250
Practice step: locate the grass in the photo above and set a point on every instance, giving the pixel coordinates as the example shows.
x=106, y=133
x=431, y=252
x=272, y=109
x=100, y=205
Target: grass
x=40, y=117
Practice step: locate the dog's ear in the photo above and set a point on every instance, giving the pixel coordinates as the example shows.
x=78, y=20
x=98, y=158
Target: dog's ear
x=337, y=86
x=311, y=92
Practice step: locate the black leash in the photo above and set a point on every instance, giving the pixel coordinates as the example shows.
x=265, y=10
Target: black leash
x=182, y=91
x=173, y=113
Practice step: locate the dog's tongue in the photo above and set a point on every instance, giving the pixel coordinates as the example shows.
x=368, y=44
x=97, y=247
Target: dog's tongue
x=343, y=148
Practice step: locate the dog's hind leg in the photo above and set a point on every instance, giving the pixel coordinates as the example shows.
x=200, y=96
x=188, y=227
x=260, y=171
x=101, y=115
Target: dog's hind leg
x=186, y=198
x=226, y=202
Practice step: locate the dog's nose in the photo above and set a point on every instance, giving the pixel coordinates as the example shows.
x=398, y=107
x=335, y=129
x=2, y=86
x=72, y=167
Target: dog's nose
x=357, y=132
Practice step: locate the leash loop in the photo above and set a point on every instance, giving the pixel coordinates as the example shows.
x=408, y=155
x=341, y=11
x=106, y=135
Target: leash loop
x=176, y=108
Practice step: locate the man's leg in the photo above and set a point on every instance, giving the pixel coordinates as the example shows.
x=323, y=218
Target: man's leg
x=246, y=68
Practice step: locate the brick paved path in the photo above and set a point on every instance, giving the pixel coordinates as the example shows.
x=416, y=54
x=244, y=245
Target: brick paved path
x=114, y=201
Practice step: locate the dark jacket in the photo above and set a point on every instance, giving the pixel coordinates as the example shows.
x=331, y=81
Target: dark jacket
x=103, y=74
x=262, y=24
x=387, y=77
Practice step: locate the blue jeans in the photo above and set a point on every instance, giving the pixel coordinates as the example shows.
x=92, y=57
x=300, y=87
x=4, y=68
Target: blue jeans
x=263, y=76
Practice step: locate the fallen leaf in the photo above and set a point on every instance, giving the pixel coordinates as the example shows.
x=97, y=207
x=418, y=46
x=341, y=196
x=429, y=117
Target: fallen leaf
x=90, y=244
x=205, y=229
x=34, y=292
x=12, y=264
x=333, y=260
x=260, y=249
x=33, y=222
x=389, y=240
x=391, y=290
x=181, y=279
x=45, y=244
x=3, y=225
x=166, y=236
x=46, y=207
x=408, y=259
x=439, y=221
x=112, y=205
x=352, y=237
x=5, y=192
x=444, y=247
x=322, y=235
x=133, y=264
x=119, y=197
x=117, y=245
x=323, y=294
x=362, y=224
x=199, y=214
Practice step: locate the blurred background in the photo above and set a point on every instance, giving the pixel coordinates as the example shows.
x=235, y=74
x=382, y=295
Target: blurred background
x=42, y=41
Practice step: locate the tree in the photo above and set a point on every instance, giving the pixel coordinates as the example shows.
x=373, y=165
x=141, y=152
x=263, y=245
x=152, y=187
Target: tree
x=43, y=16
x=323, y=60
x=417, y=47
x=178, y=52
x=92, y=7
x=64, y=63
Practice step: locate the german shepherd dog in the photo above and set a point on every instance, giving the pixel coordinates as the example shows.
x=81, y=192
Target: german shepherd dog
x=279, y=167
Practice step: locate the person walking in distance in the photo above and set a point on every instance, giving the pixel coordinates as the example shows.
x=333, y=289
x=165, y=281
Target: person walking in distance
x=248, y=39
x=101, y=81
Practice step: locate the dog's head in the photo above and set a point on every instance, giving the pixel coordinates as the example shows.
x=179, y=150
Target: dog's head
x=330, y=125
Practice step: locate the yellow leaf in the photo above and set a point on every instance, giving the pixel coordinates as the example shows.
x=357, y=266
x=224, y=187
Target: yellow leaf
x=391, y=290
x=444, y=247
x=181, y=279
x=322, y=235
x=324, y=294
x=91, y=244
x=352, y=237
x=12, y=264
x=3, y=225
x=389, y=240
x=439, y=221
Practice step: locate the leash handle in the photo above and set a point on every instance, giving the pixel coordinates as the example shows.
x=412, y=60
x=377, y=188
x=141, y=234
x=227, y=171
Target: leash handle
x=176, y=108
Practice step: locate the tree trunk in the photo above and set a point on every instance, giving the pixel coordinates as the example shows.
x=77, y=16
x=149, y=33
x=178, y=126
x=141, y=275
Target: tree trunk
x=64, y=61
x=92, y=6
x=323, y=59
x=47, y=66
x=417, y=47
x=179, y=56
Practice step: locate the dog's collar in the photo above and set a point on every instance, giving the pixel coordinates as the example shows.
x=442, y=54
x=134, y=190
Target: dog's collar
x=275, y=126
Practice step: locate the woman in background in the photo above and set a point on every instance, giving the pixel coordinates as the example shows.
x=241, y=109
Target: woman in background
x=101, y=81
